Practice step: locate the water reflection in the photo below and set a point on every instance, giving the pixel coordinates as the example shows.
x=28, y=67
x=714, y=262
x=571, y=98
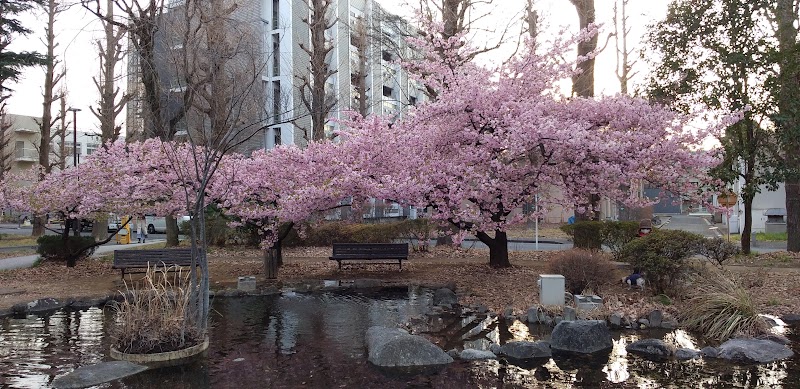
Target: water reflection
x=317, y=341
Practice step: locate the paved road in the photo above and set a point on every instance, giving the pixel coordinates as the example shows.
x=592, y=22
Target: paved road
x=29, y=260
x=700, y=224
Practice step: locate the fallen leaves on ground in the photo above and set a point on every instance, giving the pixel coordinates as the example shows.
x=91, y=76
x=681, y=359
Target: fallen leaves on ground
x=475, y=281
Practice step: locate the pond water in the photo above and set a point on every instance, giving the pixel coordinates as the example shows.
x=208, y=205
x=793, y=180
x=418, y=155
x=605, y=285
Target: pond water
x=317, y=341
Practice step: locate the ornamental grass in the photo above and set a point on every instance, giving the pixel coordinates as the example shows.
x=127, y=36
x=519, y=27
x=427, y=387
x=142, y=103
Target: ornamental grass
x=721, y=307
x=156, y=317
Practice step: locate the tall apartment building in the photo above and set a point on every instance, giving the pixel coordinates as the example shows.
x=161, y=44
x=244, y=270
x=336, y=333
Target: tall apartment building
x=280, y=23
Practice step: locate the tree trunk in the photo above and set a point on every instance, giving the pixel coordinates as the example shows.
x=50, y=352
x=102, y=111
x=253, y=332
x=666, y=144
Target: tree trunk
x=788, y=119
x=271, y=263
x=748, y=223
x=498, y=248
x=172, y=231
x=793, y=215
x=99, y=228
x=39, y=223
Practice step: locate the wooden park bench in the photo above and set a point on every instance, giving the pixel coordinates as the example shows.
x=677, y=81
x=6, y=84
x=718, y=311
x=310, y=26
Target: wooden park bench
x=142, y=259
x=370, y=252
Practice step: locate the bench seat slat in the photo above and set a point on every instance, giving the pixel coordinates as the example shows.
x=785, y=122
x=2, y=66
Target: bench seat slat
x=133, y=259
x=369, y=252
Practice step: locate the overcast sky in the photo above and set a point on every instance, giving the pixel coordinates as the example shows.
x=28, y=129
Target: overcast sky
x=77, y=32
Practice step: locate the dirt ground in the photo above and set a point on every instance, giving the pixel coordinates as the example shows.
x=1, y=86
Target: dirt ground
x=772, y=279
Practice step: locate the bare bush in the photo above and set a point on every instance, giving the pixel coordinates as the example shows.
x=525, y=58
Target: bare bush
x=582, y=270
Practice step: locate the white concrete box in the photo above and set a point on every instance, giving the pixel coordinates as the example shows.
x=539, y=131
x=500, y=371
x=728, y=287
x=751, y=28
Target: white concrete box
x=551, y=289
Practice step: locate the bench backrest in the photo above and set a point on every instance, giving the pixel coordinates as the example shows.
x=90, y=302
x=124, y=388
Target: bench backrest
x=180, y=257
x=371, y=250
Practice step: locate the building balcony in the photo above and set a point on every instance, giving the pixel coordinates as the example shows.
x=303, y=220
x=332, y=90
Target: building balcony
x=23, y=130
x=26, y=155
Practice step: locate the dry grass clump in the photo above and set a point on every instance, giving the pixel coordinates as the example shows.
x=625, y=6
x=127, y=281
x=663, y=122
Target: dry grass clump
x=156, y=318
x=721, y=307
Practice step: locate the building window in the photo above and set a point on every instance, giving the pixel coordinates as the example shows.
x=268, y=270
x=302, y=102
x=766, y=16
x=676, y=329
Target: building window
x=412, y=100
x=388, y=91
x=277, y=136
x=276, y=100
x=275, y=10
x=276, y=55
x=386, y=56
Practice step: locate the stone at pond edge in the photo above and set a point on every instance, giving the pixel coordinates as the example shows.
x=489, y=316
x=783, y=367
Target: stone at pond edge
x=686, y=353
x=570, y=314
x=533, y=315
x=651, y=348
x=753, y=350
x=44, y=305
x=474, y=355
x=791, y=318
x=775, y=338
x=92, y=375
x=616, y=320
x=444, y=296
x=585, y=337
x=655, y=318
x=709, y=352
x=526, y=350
x=393, y=347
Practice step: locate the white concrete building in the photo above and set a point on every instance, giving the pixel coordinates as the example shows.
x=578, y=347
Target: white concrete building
x=768, y=211
x=388, y=87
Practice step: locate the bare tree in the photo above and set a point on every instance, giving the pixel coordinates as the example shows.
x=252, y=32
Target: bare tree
x=583, y=83
x=221, y=62
x=621, y=31
x=51, y=79
x=458, y=17
x=531, y=20
x=111, y=103
x=141, y=20
x=313, y=94
x=5, y=140
x=359, y=37
x=60, y=137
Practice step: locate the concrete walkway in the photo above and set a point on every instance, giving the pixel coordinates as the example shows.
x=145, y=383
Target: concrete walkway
x=29, y=260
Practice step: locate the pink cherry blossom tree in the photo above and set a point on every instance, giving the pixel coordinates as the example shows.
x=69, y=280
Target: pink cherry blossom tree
x=498, y=138
x=276, y=190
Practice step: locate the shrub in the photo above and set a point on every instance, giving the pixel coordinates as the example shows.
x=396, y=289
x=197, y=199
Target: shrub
x=156, y=317
x=325, y=234
x=420, y=232
x=585, y=234
x=616, y=234
x=662, y=256
x=55, y=248
x=582, y=269
x=718, y=250
x=721, y=308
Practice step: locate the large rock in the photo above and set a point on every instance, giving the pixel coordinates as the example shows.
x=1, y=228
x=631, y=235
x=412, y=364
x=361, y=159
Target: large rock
x=393, y=347
x=526, y=350
x=584, y=337
x=40, y=306
x=93, y=375
x=651, y=348
x=445, y=297
x=686, y=353
x=753, y=350
x=472, y=354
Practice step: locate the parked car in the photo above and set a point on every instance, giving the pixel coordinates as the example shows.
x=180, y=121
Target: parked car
x=158, y=224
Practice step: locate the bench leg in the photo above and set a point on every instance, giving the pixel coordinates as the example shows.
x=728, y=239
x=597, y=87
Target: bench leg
x=339, y=261
x=123, y=274
x=400, y=261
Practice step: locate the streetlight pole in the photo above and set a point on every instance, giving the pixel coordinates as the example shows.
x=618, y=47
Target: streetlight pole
x=74, y=135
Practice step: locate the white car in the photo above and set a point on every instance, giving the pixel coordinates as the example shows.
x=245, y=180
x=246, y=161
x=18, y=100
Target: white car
x=158, y=224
